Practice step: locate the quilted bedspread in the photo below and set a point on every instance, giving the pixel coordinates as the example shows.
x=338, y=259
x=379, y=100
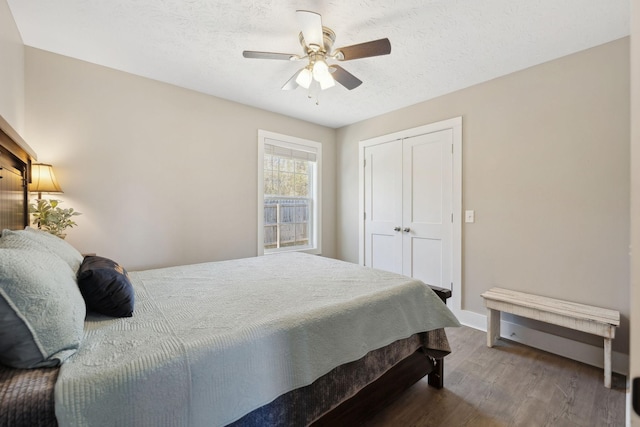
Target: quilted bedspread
x=210, y=342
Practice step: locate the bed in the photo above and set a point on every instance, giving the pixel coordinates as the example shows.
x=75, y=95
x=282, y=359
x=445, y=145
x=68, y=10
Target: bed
x=249, y=342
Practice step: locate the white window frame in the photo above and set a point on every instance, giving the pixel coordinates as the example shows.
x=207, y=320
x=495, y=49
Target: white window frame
x=266, y=137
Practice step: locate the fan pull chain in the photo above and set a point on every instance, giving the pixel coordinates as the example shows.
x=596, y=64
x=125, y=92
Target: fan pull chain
x=314, y=91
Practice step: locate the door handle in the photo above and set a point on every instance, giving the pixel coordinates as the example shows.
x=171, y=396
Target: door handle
x=397, y=229
x=406, y=229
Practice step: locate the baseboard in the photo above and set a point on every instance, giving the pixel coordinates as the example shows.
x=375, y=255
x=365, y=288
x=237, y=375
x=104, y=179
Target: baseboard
x=561, y=346
x=471, y=319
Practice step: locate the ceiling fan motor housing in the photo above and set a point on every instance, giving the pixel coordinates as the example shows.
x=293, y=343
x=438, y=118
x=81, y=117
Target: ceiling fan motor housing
x=328, y=38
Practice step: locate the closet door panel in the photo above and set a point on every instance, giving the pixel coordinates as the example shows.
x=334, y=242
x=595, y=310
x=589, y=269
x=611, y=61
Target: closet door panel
x=383, y=256
x=383, y=206
x=426, y=262
x=428, y=207
x=426, y=181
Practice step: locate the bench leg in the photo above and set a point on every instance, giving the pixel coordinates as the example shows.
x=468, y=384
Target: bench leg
x=607, y=362
x=493, y=326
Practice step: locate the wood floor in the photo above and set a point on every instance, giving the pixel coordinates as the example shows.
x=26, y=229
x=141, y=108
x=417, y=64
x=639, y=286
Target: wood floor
x=508, y=385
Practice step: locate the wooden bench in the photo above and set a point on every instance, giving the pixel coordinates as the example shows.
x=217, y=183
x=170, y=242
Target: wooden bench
x=585, y=318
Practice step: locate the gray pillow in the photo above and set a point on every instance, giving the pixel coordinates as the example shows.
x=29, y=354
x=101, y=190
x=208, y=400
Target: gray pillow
x=49, y=242
x=41, y=309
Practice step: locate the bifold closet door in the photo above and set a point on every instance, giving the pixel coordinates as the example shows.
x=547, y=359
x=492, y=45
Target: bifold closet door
x=428, y=208
x=383, y=206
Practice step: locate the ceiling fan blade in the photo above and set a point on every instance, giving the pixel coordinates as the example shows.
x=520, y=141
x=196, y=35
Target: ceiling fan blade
x=344, y=77
x=291, y=84
x=269, y=55
x=363, y=50
x=311, y=27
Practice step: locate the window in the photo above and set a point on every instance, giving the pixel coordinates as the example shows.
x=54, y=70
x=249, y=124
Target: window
x=288, y=194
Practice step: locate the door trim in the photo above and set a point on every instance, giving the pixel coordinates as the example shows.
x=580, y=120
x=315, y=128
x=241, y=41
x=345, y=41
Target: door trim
x=455, y=124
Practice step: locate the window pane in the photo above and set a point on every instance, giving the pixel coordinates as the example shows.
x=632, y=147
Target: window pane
x=302, y=187
x=287, y=235
x=270, y=214
x=287, y=184
x=301, y=166
x=291, y=217
x=287, y=165
x=270, y=237
x=269, y=183
x=302, y=234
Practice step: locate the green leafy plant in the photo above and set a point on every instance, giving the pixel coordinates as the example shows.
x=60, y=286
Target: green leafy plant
x=52, y=218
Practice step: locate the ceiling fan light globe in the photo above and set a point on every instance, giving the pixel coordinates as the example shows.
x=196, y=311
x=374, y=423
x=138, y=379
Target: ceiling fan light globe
x=320, y=70
x=327, y=82
x=304, y=78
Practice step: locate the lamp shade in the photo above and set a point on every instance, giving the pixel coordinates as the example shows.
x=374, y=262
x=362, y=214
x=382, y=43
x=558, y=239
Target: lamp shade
x=43, y=180
x=320, y=70
x=304, y=78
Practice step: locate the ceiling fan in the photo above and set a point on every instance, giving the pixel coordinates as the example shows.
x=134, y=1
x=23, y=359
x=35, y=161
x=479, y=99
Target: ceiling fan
x=317, y=44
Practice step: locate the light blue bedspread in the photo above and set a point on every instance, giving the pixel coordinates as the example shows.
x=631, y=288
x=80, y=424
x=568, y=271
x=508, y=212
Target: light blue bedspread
x=210, y=342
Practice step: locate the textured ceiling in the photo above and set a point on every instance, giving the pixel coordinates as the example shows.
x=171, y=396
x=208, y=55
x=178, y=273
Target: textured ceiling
x=437, y=46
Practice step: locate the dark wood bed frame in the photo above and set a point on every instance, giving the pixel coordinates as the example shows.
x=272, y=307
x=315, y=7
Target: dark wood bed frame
x=377, y=395
x=16, y=158
x=15, y=173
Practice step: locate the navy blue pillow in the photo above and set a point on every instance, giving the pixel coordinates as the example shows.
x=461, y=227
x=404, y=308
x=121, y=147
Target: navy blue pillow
x=105, y=287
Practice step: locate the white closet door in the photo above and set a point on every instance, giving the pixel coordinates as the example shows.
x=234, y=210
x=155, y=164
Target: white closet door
x=428, y=208
x=383, y=206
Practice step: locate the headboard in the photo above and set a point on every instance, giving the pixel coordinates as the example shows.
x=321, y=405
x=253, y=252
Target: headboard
x=15, y=172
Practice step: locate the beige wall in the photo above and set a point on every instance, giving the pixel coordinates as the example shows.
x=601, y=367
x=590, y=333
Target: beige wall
x=162, y=175
x=11, y=70
x=546, y=169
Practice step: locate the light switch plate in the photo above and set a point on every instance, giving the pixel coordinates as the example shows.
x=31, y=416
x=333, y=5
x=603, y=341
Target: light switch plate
x=469, y=216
